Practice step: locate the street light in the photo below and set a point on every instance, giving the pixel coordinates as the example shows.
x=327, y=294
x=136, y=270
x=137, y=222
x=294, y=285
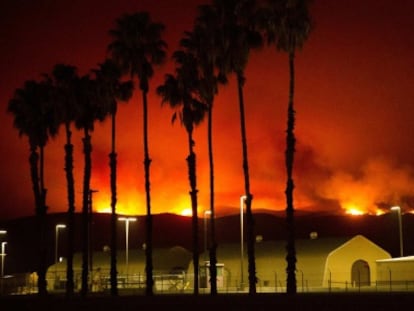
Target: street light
x=398, y=210
x=242, y=201
x=208, y=212
x=57, y=227
x=127, y=221
x=3, y=256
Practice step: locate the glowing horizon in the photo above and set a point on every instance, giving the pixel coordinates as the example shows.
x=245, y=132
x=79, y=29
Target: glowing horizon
x=354, y=148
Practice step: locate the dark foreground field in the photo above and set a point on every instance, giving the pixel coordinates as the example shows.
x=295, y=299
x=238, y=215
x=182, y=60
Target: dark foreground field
x=320, y=302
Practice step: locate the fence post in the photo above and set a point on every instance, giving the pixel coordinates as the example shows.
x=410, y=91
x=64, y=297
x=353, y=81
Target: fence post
x=303, y=283
x=276, y=282
x=390, y=280
x=330, y=281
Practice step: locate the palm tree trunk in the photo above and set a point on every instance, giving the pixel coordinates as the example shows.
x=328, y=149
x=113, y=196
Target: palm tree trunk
x=71, y=211
x=213, y=255
x=249, y=196
x=114, y=248
x=43, y=229
x=290, y=151
x=213, y=246
x=191, y=161
x=147, y=163
x=87, y=150
x=34, y=174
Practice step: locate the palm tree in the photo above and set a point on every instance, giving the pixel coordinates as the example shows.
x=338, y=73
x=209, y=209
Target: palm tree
x=137, y=45
x=288, y=27
x=238, y=38
x=34, y=113
x=182, y=93
x=90, y=110
x=111, y=89
x=203, y=43
x=64, y=79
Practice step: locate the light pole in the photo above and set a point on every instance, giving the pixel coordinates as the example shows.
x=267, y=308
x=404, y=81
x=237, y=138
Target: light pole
x=57, y=227
x=127, y=221
x=3, y=256
x=208, y=212
x=242, y=201
x=398, y=210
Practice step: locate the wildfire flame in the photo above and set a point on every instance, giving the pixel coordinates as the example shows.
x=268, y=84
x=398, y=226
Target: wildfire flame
x=128, y=205
x=379, y=185
x=186, y=212
x=372, y=191
x=354, y=211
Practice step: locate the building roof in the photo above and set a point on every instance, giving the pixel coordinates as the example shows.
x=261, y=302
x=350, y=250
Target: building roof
x=398, y=259
x=304, y=247
x=165, y=260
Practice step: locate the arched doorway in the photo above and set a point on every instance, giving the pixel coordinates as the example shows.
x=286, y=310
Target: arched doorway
x=360, y=273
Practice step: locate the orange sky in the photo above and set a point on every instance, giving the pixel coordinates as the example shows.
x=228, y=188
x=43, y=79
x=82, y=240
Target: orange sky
x=354, y=102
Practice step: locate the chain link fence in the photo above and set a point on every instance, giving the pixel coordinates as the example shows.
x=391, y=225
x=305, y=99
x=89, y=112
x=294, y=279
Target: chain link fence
x=99, y=282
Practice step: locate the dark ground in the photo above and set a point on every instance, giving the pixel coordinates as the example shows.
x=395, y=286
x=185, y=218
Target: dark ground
x=320, y=302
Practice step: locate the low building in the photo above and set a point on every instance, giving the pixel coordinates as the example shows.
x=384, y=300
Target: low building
x=396, y=273
x=322, y=263
x=170, y=266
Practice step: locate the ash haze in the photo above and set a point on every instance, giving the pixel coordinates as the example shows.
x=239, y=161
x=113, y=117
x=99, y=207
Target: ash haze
x=354, y=102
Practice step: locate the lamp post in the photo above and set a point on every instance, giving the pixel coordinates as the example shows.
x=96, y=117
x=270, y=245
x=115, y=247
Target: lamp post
x=127, y=220
x=208, y=212
x=242, y=201
x=398, y=210
x=3, y=256
x=57, y=227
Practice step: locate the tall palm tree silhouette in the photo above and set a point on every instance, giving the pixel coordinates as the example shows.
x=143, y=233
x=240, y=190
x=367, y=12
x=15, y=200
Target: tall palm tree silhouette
x=90, y=111
x=34, y=117
x=64, y=80
x=111, y=90
x=288, y=25
x=238, y=37
x=181, y=91
x=137, y=45
x=202, y=42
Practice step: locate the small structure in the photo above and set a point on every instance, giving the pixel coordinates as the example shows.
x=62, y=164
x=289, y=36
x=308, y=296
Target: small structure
x=353, y=263
x=205, y=275
x=396, y=273
x=321, y=263
x=169, y=268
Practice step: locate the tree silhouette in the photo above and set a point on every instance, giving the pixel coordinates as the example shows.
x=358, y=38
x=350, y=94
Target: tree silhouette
x=64, y=79
x=34, y=113
x=181, y=91
x=238, y=37
x=90, y=110
x=111, y=90
x=287, y=25
x=137, y=45
x=202, y=42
